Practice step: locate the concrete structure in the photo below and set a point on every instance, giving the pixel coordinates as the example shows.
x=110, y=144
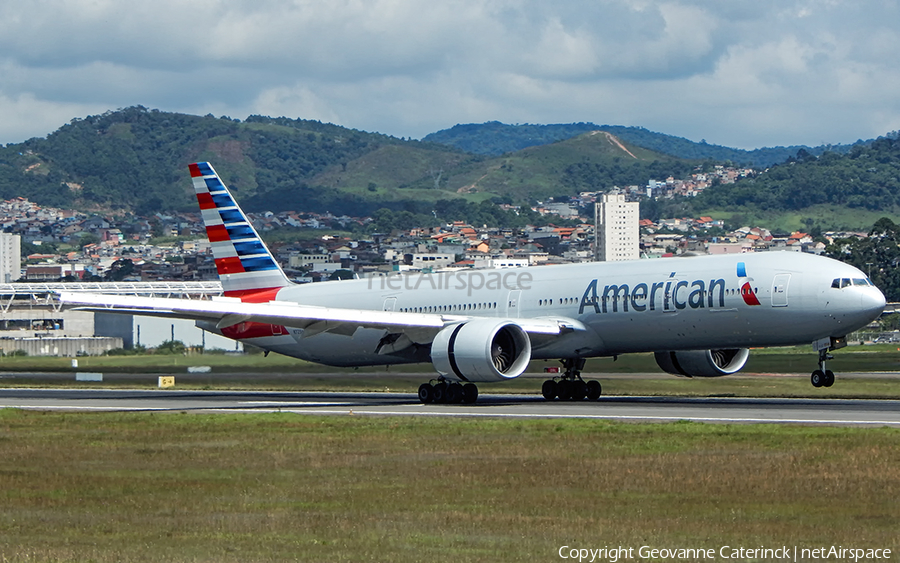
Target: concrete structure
x=91, y=346
x=10, y=257
x=500, y=262
x=37, y=321
x=729, y=248
x=431, y=261
x=616, y=231
x=32, y=320
x=312, y=262
x=150, y=332
x=53, y=272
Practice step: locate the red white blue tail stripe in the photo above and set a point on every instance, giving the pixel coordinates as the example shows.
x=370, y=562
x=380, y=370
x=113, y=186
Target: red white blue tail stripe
x=246, y=267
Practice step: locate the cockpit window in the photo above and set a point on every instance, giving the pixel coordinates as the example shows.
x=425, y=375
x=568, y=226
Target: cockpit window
x=840, y=283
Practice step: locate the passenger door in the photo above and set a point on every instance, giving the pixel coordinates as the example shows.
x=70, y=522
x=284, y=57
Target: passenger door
x=780, y=290
x=512, y=303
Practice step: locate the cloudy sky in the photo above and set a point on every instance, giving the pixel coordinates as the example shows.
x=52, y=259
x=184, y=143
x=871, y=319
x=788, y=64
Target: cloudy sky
x=739, y=73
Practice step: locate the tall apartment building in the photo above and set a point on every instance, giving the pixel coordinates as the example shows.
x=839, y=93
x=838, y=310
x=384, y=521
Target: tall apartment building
x=616, y=233
x=10, y=257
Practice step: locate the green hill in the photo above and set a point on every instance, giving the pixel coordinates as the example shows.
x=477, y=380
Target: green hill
x=135, y=160
x=593, y=161
x=494, y=138
x=833, y=191
x=414, y=178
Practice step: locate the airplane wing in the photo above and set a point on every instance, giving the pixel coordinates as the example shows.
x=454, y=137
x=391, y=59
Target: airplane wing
x=228, y=311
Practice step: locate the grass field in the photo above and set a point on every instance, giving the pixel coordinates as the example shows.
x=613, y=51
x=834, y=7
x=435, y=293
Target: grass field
x=879, y=357
x=285, y=487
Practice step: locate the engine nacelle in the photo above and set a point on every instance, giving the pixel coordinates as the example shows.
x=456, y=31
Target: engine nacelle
x=702, y=363
x=481, y=350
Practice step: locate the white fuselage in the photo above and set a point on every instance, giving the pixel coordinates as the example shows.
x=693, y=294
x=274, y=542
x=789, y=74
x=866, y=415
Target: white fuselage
x=708, y=302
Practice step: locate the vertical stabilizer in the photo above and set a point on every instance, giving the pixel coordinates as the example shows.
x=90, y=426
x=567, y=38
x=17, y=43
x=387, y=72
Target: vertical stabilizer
x=246, y=267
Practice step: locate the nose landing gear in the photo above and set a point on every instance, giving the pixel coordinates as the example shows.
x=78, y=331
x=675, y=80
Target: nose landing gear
x=825, y=377
x=822, y=377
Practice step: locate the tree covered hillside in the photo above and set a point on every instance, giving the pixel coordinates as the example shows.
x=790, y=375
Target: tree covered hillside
x=868, y=177
x=878, y=255
x=594, y=161
x=494, y=138
x=136, y=159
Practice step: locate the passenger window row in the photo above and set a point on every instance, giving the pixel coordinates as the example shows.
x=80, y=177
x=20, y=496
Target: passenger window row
x=466, y=307
x=561, y=301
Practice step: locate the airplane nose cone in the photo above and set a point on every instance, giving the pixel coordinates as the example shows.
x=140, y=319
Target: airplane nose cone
x=873, y=302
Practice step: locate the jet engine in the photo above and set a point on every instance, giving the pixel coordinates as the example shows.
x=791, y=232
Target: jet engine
x=481, y=350
x=702, y=363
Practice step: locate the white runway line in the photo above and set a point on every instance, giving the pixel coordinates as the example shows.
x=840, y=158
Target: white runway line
x=297, y=403
x=83, y=408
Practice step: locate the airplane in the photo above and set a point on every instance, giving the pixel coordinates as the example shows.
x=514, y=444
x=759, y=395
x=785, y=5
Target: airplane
x=698, y=315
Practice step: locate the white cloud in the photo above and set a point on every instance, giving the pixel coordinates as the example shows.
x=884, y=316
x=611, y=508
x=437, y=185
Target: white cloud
x=767, y=72
x=298, y=100
x=25, y=117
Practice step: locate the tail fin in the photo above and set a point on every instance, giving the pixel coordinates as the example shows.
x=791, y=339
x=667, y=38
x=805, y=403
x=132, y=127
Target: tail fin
x=246, y=267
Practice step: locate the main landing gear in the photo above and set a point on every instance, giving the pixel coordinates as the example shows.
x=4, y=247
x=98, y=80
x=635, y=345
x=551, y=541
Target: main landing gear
x=570, y=386
x=447, y=392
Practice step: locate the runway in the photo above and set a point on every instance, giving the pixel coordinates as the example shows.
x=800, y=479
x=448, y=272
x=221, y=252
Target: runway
x=713, y=410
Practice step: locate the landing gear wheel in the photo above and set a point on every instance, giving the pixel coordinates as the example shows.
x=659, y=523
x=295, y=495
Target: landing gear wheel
x=426, y=393
x=817, y=378
x=440, y=393
x=564, y=390
x=570, y=386
x=454, y=393
x=579, y=390
x=549, y=389
x=470, y=393
x=829, y=378
x=594, y=390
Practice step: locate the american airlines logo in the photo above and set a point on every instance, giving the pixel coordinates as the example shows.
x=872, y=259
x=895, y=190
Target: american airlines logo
x=673, y=294
x=747, y=292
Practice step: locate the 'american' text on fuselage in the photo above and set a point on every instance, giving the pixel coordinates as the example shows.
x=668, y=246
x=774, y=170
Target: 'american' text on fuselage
x=669, y=295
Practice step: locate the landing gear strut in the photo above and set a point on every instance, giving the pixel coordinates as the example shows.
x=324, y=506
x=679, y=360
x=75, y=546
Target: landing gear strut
x=444, y=391
x=825, y=377
x=570, y=386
